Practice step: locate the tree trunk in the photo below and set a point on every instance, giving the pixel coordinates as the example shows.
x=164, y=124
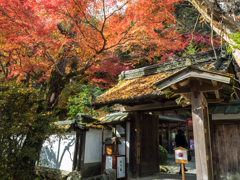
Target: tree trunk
x=223, y=25
x=56, y=84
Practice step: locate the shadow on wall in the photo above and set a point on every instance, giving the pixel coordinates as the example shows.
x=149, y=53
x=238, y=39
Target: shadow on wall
x=54, y=153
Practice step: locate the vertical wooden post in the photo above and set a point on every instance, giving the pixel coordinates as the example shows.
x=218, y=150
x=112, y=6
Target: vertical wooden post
x=199, y=131
x=125, y=150
x=187, y=136
x=208, y=141
x=183, y=172
x=169, y=138
x=83, y=139
x=162, y=131
x=102, y=151
x=78, y=168
x=138, y=145
x=75, y=152
x=214, y=159
x=134, y=164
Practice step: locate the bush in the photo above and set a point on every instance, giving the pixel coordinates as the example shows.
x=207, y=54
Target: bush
x=163, y=155
x=24, y=121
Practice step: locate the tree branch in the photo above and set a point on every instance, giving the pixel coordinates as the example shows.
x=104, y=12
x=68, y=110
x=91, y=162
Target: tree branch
x=50, y=57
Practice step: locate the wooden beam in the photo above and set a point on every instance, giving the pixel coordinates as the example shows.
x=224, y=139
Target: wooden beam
x=207, y=81
x=184, y=83
x=151, y=106
x=181, y=91
x=216, y=92
x=186, y=97
x=209, y=88
x=198, y=117
x=174, y=86
x=215, y=100
x=191, y=73
x=204, y=88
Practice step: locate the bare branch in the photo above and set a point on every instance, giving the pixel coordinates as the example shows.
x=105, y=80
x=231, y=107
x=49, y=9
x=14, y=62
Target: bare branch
x=86, y=21
x=50, y=57
x=212, y=35
x=84, y=38
x=122, y=38
x=118, y=9
x=195, y=26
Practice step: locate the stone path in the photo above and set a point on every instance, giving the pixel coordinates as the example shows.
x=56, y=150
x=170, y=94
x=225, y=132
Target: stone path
x=174, y=171
x=165, y=176
x=175, y=167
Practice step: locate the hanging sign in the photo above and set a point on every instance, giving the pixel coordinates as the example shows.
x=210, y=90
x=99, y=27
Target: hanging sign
x=121, y=167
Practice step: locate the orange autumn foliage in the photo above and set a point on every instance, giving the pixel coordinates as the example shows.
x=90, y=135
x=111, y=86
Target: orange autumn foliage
x=35, y=34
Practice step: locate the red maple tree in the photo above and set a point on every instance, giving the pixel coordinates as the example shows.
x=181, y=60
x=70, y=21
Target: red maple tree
x=51, y=41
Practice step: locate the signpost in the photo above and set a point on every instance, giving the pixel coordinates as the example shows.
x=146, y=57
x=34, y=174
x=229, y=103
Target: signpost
x=181, y=156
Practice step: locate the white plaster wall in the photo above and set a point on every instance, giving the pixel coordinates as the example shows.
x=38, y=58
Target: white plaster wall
x=225, y=116
x=128, y=140
x=121, y=147
x=106, y=133
x=93, y=145
x=58, y=152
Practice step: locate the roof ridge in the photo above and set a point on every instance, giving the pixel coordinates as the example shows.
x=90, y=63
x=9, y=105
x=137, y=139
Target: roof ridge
x=174, y=64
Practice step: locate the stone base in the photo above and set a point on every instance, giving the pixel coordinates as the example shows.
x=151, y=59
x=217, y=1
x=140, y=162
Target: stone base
x=109, y=174
x=47, y=173
x=51, y=173
x=91, y=169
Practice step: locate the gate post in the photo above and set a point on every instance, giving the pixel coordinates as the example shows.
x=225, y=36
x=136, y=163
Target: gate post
x=201, y=142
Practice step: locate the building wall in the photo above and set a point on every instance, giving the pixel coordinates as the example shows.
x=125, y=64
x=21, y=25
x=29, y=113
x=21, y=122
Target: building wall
x=93, y=151
x=93, y=146
x=58, y=152
x=225, y=116
x=121, y=147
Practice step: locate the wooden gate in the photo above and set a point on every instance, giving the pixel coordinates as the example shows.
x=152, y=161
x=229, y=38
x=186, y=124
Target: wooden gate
x=144, y=142
x=226, y=149
x=149, y=145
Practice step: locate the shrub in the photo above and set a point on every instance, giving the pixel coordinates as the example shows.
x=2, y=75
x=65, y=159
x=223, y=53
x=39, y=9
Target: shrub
x=163, y=155
x=23, y=121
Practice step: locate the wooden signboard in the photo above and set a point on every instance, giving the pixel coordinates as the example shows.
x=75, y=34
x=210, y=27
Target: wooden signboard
x=181, y=155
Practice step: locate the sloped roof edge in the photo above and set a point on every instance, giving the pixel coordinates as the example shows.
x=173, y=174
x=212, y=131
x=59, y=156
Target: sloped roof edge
x=173, y=64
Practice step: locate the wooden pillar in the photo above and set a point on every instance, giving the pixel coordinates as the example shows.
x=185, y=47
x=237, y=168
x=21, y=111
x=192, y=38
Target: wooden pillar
x=187, y=135
x=214, y=158
x=162, y=132
x=169, y=138
x=102, y=151
x=83, y=139
x=199, y=106
x=134, y=159
x=208, y=141
x=76, y=154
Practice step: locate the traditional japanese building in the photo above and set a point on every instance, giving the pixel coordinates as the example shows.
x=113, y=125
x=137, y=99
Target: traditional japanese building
x=79, y=150
x=188, y=84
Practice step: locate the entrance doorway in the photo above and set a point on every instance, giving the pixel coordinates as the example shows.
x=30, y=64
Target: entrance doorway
x=168, y=130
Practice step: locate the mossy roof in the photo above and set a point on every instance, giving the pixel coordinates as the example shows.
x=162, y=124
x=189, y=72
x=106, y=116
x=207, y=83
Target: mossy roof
x=137, y=84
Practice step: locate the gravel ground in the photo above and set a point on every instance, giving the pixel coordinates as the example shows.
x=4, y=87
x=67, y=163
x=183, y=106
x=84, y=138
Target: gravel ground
x=175, y=167
x=165, y=176
x=174, y=171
